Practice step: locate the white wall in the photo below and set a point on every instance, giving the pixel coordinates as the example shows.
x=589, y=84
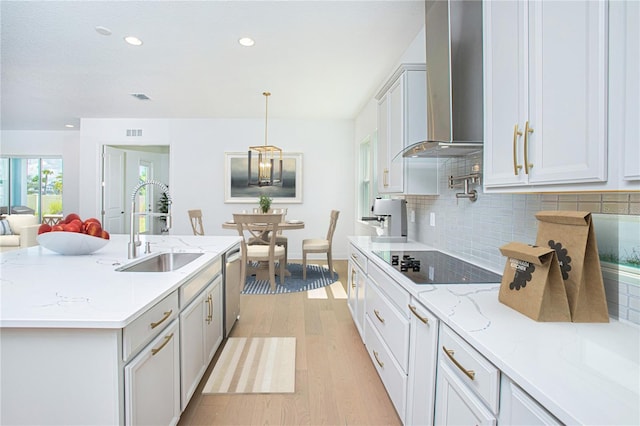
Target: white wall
x=197, y=148
x=49, y=143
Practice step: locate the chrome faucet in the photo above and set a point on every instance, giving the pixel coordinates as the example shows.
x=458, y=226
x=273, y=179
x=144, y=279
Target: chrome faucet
x=134, y=241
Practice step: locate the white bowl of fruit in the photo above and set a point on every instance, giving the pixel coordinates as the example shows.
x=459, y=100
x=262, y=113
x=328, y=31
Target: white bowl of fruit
x=73, y=236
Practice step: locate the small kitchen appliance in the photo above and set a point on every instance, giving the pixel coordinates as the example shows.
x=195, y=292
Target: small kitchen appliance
x=435, y=267
x=392, y=214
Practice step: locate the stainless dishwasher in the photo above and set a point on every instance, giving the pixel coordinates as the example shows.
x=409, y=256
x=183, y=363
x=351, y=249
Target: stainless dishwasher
x=231, y=289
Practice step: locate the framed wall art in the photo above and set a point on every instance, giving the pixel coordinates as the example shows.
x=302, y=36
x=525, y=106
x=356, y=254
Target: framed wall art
x=243, y=183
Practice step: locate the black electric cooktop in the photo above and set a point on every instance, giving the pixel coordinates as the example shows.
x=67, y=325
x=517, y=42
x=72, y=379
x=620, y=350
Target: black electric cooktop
x=434, y=267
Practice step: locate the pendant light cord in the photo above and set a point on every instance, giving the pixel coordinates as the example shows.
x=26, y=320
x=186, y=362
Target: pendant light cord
x=266, y=114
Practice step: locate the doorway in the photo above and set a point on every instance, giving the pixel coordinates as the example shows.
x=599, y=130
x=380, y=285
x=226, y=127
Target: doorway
x=122, y=166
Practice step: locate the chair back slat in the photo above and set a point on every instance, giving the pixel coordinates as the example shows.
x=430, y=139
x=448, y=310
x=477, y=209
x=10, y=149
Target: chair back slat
x=332, y=225
x=195, y=218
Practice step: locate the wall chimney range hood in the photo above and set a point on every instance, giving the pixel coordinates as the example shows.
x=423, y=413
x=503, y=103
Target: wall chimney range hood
x=453, y=31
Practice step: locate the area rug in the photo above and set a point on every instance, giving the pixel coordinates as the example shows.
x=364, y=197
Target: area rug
x=254, y=365
x=317, y=277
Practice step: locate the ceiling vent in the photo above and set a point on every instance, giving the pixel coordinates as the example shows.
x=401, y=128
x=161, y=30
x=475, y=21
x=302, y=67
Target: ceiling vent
x=140, y=96
x=134, y=132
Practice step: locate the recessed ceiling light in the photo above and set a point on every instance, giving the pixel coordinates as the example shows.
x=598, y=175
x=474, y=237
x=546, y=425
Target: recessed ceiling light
x=103, y=30
x=246, y=41
x=70, y=126
x=134, y=41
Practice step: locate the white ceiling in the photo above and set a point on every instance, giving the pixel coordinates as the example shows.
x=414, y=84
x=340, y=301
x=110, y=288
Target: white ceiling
x=319, y=59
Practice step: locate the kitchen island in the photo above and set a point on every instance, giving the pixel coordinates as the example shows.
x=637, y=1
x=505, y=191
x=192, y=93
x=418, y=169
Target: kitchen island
x=82, y=343
x=571, y=373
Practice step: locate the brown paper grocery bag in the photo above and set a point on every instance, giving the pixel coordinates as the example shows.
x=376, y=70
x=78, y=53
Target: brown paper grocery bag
x=532, y=283
x=572, y=236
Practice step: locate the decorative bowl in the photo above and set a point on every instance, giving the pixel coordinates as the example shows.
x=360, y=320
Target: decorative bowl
x=71, y=243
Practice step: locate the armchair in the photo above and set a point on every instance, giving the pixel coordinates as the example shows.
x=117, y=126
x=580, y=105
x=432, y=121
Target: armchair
x=24, y=231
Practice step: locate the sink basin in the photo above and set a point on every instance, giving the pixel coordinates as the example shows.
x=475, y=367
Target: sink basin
x=161, y=262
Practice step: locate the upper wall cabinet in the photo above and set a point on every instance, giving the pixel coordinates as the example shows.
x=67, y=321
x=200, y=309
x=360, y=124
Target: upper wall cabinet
x=545, y=90
x=402, y=120
x=631, y=58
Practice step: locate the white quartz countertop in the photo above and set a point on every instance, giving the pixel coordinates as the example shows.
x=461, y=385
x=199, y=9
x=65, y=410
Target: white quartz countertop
x=582, y=373
x=40, y=288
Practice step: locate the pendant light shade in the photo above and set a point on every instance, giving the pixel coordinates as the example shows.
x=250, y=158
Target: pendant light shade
x=267, y=170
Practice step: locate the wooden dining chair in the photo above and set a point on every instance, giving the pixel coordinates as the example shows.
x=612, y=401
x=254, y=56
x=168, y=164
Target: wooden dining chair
x=319, y=245
x=195, y=217
x=263, y=228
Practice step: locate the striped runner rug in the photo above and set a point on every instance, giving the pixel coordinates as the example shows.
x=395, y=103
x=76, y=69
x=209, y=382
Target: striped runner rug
x=254, y=365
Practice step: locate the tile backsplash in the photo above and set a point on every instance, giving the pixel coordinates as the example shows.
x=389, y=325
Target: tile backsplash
x=475, y=230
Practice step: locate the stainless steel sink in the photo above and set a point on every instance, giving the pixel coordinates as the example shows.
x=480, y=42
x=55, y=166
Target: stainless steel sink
x=161, y=262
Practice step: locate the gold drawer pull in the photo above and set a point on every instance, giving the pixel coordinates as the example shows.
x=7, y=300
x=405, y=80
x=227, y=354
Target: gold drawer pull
x=375, y=311
x=527, y=130
x=516, y=166
x=353, y=280
x=166, y=340
x=166, y=315
x=380, y=363
x=210, y=309
x=415, y=312
x=469, y=373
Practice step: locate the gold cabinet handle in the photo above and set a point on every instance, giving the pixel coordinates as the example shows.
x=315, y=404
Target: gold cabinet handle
x=166, y=340
x=385, y=175
x=375, y=311
x=469, y=373
x=516, y=167
x=353, y=280
x=210, y=309
x=414, y=310
x=380, y=363
x=527, y=130
x=164, y=318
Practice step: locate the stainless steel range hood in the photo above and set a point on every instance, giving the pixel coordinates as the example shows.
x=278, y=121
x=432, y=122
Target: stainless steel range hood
x=454, y=80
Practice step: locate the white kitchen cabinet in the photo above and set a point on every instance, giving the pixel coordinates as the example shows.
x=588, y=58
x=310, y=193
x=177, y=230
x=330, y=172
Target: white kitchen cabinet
x=401, y=122
x=152, y=381
x=545, y=89
x=357, y=288
x=517, y=408
x=423, y=345
x=456, y=404
x=468, y=386
x=387, y=332
x=631, y=57
x=201, y=331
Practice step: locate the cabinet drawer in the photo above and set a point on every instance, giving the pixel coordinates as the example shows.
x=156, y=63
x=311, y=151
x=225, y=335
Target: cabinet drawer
x=191, y=288
x=475, y=371
x=392, y=376
x=358, y=258
x=391, y=324
x=394, y=291
x=148, y=325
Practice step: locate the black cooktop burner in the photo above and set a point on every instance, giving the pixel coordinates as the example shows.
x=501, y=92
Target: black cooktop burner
x=434, y=267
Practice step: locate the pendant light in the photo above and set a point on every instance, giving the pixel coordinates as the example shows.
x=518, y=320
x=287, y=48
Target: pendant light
x=269, y=162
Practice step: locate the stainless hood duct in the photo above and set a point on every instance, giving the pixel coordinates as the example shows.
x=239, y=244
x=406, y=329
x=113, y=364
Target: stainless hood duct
x=454, y=80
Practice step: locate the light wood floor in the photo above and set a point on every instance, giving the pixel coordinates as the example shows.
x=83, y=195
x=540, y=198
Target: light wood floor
x=336, y=383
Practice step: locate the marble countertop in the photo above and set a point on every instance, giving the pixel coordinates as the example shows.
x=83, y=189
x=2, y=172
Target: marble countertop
x=40, y=288
x=582, y=373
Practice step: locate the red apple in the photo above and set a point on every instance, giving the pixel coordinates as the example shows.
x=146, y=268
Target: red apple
x=105, y=234
x=44, y=228
x=94, y=229
x=86, y=223
x=70, y=217
x=73, y=227
x=58, y=227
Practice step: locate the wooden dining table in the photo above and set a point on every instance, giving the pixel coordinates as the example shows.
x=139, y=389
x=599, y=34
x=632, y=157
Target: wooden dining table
x=262, y=271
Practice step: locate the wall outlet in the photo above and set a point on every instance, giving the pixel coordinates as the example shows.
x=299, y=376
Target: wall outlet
x=432, y=219
x=413, y=216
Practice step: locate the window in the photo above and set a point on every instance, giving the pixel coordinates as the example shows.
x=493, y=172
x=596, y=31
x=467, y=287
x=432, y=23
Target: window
x=364, y=178
x=31, y=185
x=144, y=197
